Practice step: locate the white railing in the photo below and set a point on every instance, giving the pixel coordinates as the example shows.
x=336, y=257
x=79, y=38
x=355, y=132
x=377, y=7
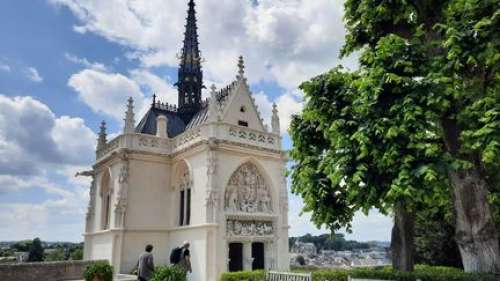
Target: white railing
x=288, y=276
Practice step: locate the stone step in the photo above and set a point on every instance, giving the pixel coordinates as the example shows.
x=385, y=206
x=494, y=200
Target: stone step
x=119, y=277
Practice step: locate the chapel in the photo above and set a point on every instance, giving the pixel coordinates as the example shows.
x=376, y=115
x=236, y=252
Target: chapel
x=205, y=171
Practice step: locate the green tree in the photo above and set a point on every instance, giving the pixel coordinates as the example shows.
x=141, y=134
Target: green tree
x=420, y=115
x=36, y=251
x=77, y=254
x=22, y=246
x=56, y=255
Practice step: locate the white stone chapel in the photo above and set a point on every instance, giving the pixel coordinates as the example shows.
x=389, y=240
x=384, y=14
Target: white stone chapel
x=206, y=171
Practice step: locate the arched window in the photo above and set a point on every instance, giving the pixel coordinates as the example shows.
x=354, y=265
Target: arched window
x=184, y=190
x=105, y=200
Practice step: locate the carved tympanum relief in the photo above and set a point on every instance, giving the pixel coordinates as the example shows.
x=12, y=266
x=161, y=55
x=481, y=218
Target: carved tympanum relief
x=247, y=191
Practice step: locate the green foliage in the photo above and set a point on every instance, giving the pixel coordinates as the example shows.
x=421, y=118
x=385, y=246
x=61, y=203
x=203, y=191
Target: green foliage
x=55, y=255
x=167, y=273
x=101, y=269
x=257, y=275
x=77, y=254
x=425, y=101
x=423, y=273
x=36, y=251
x=335, y=242
x=22, y=246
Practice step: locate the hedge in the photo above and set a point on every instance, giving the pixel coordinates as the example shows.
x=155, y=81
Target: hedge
x=422, y=272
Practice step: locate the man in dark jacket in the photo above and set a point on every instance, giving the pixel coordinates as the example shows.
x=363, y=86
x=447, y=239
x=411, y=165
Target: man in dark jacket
x=185, y=262
x=146, y=265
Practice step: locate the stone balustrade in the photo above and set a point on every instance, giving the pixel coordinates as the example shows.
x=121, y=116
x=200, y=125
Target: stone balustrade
x=227, y=132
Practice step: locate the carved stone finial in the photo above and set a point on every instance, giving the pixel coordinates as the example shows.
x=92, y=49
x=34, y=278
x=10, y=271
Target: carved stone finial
x=129, y=117
x=101, y=140
x=275, y=120
x=212, y=104
x=241, y=68
x=154, y=100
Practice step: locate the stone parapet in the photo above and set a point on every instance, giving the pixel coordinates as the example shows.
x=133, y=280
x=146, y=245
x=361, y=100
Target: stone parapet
x=43, y=271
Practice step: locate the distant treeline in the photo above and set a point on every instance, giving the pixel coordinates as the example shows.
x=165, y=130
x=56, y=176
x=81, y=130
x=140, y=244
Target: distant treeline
x=335, y=242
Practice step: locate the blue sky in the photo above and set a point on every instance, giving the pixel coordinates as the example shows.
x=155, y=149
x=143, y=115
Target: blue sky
x=65, y=65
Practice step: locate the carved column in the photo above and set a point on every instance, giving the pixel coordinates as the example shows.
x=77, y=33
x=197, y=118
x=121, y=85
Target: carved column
x=247, y=255
x=121, y=202
x=211, y=201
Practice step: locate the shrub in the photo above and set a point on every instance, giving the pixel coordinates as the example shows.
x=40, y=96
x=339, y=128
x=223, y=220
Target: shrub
x=422, y=273
x=168, y=273
x=99, y=269
x=257, y=275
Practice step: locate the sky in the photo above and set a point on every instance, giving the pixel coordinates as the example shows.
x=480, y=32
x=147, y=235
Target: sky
x=65, y=65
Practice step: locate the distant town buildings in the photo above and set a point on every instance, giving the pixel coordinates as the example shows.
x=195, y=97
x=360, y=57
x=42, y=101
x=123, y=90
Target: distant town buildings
x=306, y=254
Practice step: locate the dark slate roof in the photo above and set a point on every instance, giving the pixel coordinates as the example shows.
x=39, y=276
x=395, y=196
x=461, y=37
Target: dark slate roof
x=175, y=125
x=199, y=118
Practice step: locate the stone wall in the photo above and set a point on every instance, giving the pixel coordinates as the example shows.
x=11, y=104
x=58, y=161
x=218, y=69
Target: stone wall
x=43, y=271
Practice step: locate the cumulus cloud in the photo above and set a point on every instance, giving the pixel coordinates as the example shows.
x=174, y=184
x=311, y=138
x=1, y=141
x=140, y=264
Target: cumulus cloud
x=287, y=105
x=39, y=154
x=107, y=92
x=33, y=74
x=285, y=41
x=84, y=62
x=4, y=67
x=32, y=136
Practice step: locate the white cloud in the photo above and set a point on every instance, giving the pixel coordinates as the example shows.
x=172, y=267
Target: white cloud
x=32, y=137
x=84, y=62
x=4, y=67
x=287, y=105
x=39, y=154
x=106, y=92
x=285, y=41
x=33, y=74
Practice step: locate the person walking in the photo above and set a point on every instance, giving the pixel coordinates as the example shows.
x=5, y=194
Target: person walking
x=146, y=264
x=181, y=258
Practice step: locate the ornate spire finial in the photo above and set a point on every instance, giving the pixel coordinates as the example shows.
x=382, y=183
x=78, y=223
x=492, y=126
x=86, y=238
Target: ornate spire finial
x=190, y=76
x=241, y=67
x=101, y=140
x=154, y=100
x=212, y=105
x=275, y=120
x=129, y=117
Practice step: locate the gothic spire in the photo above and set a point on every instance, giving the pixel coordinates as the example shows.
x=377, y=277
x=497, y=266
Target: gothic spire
x=101, y=140
x=129, y=117
x=190, y=76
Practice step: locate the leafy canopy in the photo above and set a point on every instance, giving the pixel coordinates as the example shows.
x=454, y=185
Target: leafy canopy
x=374, y=137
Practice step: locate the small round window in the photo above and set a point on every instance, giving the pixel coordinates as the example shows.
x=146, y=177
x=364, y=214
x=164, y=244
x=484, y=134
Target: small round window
x=243, y=109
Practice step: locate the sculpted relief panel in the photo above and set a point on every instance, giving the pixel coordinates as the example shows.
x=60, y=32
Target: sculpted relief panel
x=249, y=228
x=247, y=191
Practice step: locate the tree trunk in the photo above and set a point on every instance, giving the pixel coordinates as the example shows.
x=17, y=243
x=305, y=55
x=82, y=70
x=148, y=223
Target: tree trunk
x=402, y=240
x=475, y=231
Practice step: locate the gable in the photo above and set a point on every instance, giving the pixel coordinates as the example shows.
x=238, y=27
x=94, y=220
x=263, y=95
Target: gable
x=242, y=111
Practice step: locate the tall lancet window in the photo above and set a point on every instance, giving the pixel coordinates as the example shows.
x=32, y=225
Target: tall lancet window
x=184, y=197
x=105, y=193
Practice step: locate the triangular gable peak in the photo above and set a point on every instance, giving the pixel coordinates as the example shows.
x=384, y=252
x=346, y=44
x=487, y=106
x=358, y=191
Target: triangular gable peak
x=237, y=106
